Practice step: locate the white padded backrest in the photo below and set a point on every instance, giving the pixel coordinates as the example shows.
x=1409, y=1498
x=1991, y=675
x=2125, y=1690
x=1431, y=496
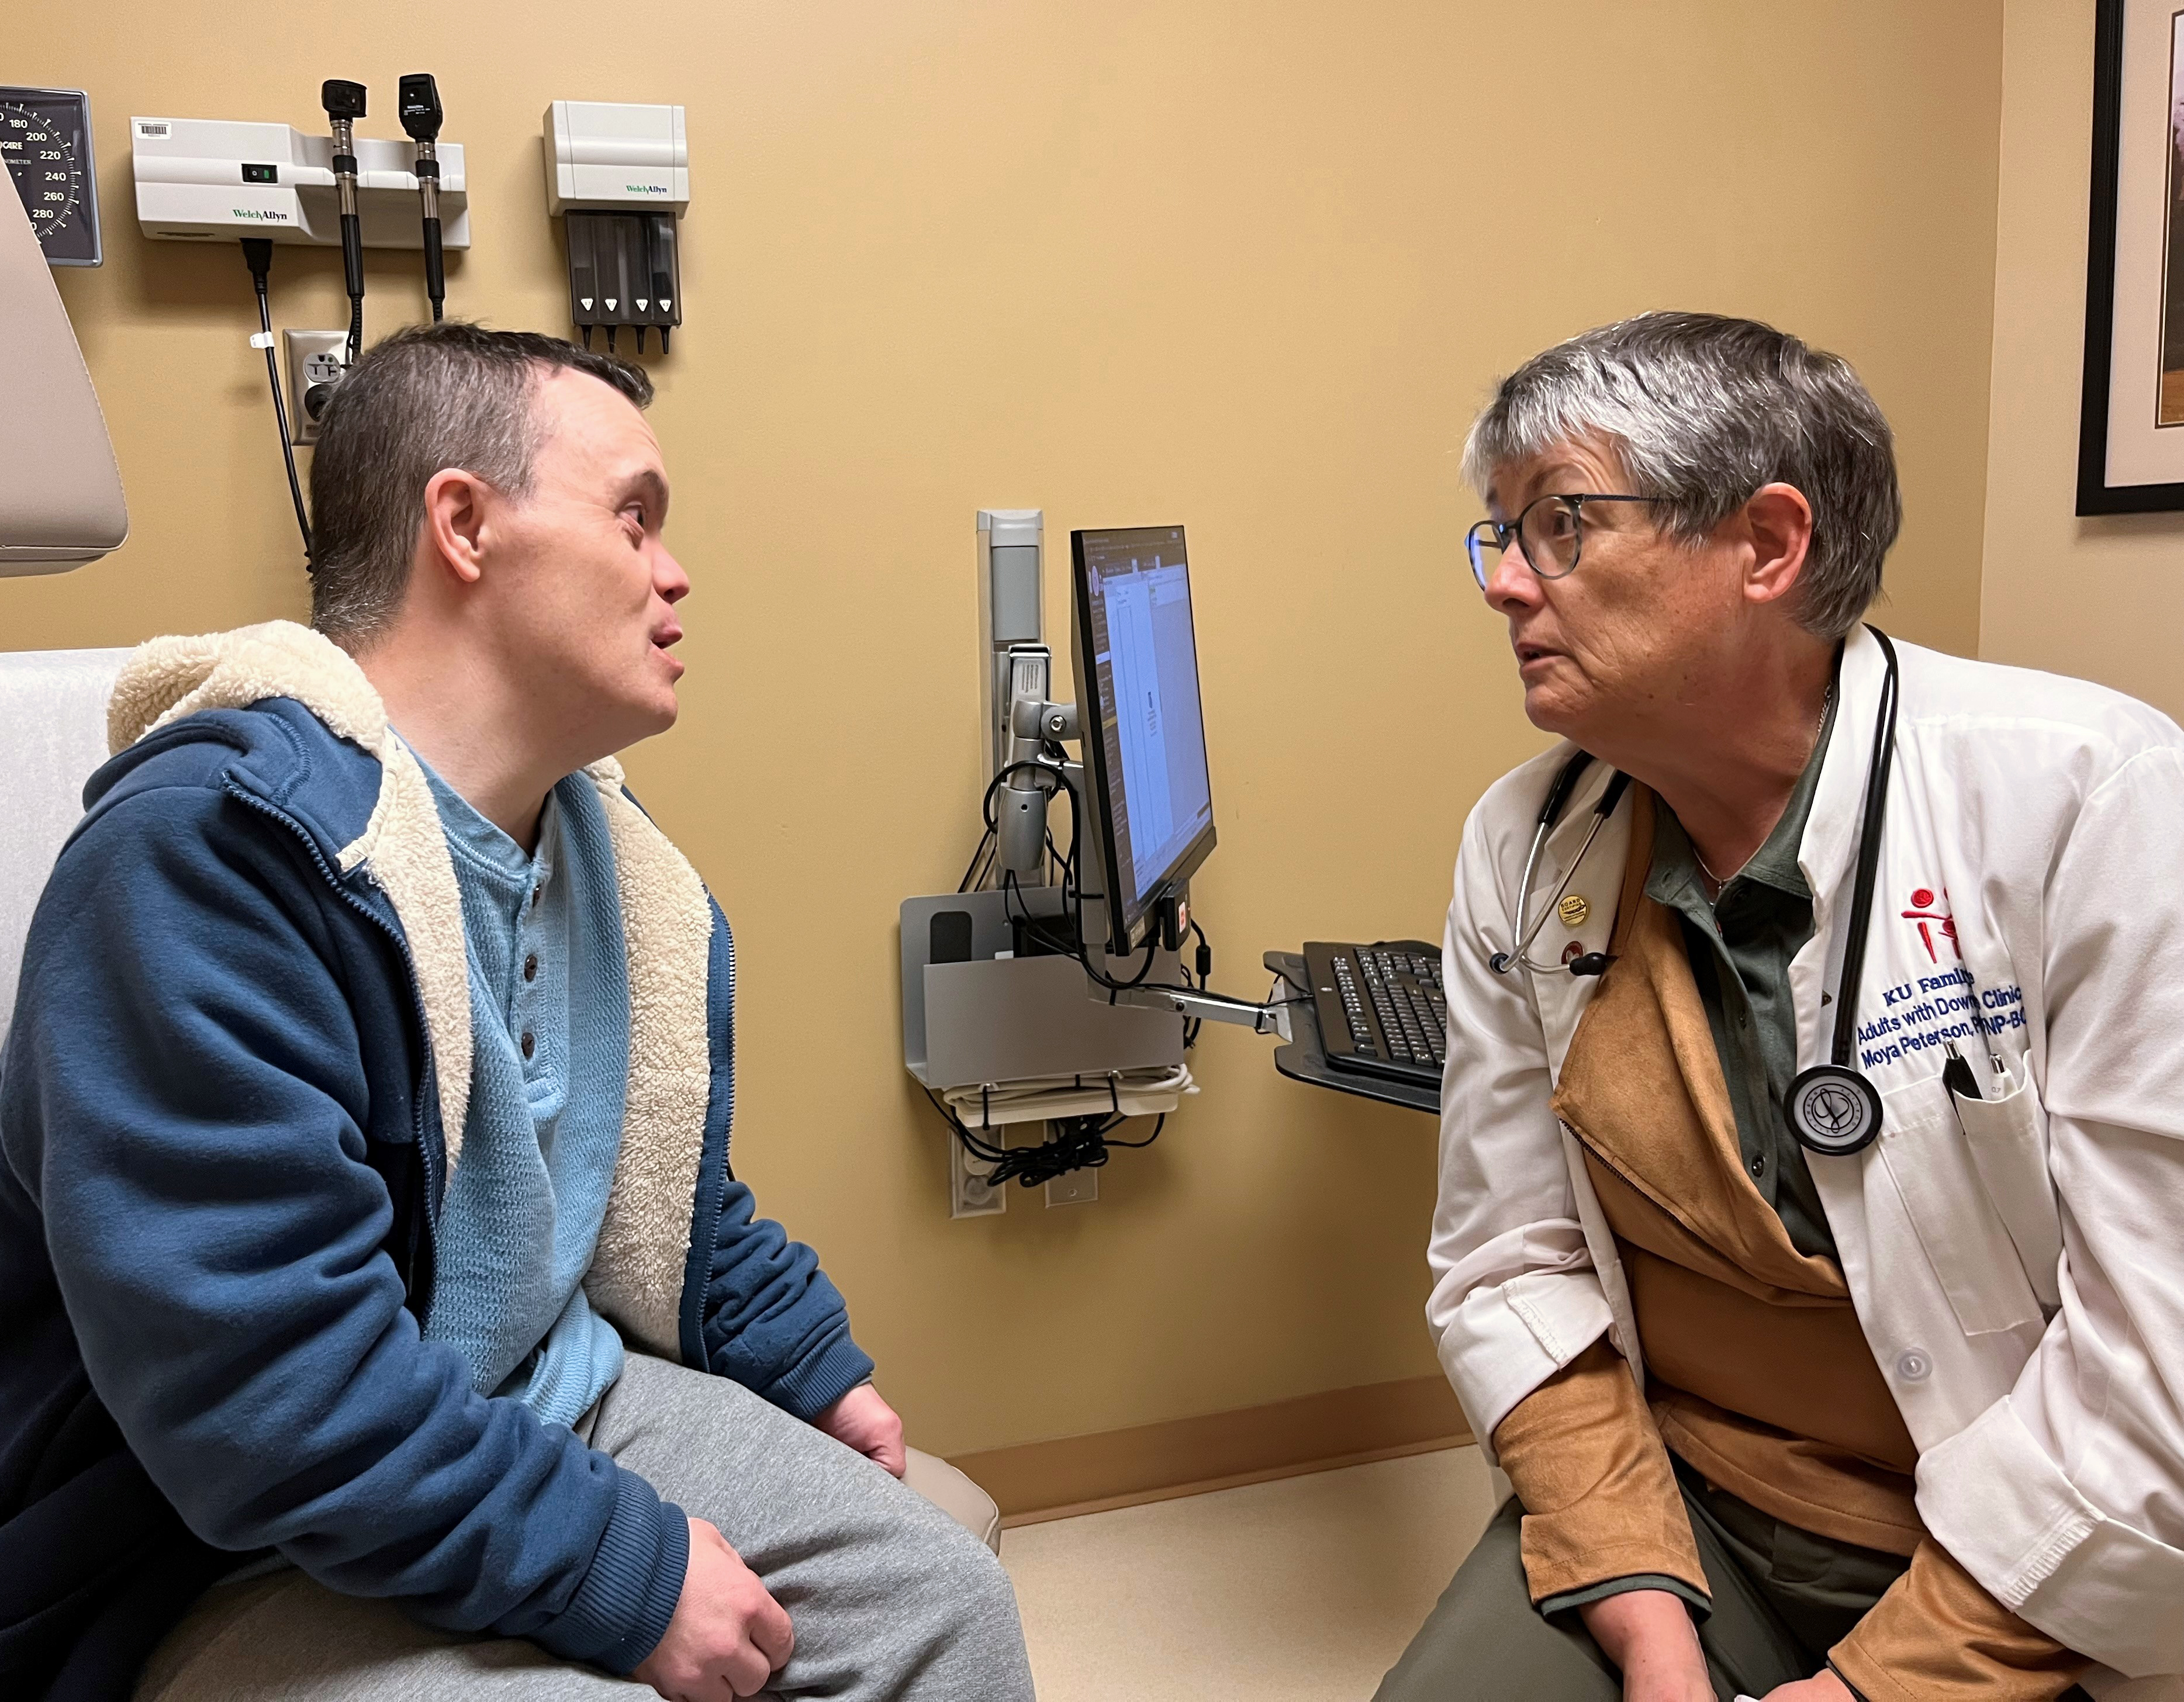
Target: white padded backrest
x=60, y=492
x=52, y=735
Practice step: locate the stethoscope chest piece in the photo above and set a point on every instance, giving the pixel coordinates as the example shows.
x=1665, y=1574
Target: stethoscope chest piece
x=1833, y=1110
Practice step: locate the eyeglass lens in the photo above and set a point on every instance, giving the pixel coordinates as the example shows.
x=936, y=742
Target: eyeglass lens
x=1547, y=531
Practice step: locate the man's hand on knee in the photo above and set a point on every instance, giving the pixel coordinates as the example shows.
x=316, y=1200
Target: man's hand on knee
x=726, y=1629
x=1649, y=1634
x=866, y=1423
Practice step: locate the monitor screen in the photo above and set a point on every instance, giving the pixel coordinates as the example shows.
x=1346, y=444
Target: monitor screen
x=1144, y=734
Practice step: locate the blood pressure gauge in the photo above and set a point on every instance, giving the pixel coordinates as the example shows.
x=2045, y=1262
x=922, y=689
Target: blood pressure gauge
x=45, y=137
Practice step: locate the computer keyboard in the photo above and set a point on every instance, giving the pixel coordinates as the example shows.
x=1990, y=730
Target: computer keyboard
x=1381, y=1008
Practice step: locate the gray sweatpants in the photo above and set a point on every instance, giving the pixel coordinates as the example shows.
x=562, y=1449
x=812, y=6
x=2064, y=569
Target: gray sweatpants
x=890, y=1597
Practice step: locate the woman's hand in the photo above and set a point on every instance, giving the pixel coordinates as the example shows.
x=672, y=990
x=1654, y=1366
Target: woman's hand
x=1649, y=1634
x=1821, y=1687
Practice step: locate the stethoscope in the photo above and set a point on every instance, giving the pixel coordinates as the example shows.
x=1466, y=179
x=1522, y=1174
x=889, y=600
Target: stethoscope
x=1591, y=963
x=1831, y=1108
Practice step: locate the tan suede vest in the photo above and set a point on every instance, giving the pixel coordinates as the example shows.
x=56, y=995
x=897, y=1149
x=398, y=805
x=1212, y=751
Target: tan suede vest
x=1758, y=1372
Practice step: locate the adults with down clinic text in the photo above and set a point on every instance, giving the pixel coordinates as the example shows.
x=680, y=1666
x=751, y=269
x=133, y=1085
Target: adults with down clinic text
x=1810, y=1157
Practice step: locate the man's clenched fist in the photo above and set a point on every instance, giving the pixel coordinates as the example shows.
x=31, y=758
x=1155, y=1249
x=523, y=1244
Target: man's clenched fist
x=726, y=1629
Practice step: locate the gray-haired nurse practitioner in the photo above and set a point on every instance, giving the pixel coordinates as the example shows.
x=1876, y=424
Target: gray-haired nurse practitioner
x=1812, y=1141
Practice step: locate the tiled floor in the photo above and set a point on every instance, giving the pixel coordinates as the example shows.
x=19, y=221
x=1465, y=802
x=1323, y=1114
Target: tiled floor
x=1301, y=1590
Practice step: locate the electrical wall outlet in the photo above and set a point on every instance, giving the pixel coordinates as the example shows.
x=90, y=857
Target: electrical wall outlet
x=1073, y=1187
x=314, y=356
x=971, y=1189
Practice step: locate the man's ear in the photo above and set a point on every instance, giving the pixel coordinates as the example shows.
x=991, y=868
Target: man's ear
x=1778, y=521
x=455, y=535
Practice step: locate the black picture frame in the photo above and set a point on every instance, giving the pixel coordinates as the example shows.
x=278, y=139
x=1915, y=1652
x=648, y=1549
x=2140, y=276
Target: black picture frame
x=2096, y=496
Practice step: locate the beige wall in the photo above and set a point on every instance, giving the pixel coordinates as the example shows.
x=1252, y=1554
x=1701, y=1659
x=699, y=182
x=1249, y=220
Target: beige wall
x=2102, y=598
x=1249, y=267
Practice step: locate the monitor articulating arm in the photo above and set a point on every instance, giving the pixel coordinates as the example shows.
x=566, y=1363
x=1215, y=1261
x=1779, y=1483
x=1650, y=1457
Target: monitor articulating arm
x=1270, y=1018
x=1030, y=777
x=1031, y=774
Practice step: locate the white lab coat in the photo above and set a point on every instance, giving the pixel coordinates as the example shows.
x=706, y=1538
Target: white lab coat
x=2019, y=1272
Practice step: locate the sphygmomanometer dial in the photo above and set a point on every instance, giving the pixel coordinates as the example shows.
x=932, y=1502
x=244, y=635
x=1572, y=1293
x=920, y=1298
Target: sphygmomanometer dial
x=45, y=137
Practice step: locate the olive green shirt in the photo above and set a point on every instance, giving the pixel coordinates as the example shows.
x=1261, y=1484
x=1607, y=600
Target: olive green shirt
x=1740, y=945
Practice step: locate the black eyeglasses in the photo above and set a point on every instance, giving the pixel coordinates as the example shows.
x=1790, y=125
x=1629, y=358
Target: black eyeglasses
x=1552, y=529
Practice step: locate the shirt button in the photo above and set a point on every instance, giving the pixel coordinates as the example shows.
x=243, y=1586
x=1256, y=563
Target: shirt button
x=529, y=1047
x=1913, y=1366
x=530, y=967
x=537, y=892
x=1759, y=1166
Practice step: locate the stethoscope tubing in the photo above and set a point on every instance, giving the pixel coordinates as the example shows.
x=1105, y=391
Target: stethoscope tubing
x=1832, y=1109
x=1558, y=795
x=1868, y=877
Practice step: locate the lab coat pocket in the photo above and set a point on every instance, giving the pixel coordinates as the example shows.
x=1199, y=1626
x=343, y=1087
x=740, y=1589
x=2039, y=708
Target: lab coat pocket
x=1930, y=1159
x=2008, y=1135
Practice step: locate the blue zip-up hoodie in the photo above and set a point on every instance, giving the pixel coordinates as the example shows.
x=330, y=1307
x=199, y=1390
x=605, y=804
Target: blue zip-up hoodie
x=229, y=1105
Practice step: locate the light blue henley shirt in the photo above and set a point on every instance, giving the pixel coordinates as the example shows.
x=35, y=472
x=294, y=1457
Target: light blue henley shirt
x=549, y=1029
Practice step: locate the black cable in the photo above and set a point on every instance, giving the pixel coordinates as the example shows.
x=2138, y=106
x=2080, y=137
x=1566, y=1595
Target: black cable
x=1073, y=909
x=258, y=255
x=1159, y=1123
x=971, y=1144
x=1076, y=948
x=1080, y=1143
x=1076, y=1144
x=972, y=867
x=1202, y=980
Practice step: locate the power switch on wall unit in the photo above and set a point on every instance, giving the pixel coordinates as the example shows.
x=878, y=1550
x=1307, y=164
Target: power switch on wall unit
x=619, y=178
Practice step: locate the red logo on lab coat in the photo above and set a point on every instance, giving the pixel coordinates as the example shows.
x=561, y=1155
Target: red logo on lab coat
x=1930, y=922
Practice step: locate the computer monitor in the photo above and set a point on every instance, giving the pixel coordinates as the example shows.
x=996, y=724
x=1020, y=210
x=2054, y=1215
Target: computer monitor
x=1152, y=801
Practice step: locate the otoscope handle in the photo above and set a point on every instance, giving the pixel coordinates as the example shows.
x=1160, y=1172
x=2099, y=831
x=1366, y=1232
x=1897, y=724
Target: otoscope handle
x=352, y=232
x=436, y=281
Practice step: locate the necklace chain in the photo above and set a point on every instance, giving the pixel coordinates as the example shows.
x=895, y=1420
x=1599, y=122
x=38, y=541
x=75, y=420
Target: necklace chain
x=1827, y=702
x=1719, y=883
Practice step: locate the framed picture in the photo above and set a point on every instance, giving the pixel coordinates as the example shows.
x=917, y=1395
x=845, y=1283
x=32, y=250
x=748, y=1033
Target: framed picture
x=2130, y=426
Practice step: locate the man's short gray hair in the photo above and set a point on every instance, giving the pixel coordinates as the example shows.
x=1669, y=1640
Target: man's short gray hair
x=1703, y=410
x=421, y=401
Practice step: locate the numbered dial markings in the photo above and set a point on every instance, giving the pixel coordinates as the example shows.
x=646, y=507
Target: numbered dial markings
x=42, y=161
x=45, y=137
